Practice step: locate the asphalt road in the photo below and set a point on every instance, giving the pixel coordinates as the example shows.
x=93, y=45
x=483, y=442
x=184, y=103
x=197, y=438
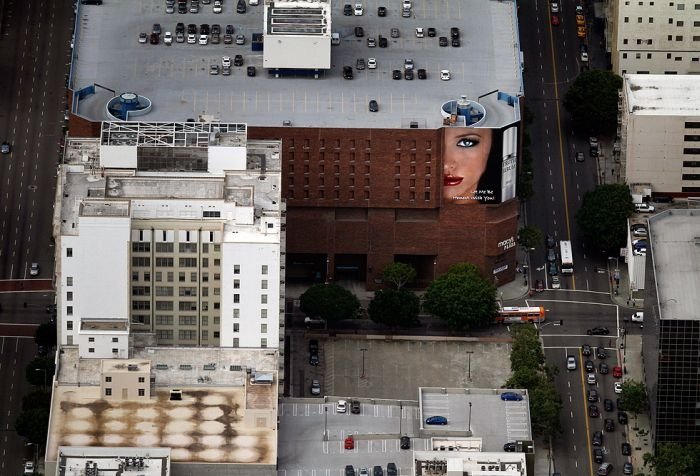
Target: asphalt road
x=34, y=57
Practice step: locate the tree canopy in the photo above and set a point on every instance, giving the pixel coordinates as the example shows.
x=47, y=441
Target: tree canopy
x=672, y=459
x=329, y=302
x=398, y=274
x=462, y=298
x=40, y=371
x=530, y=237
x=395, y=308
x=603, y=216
x=592, y=101
x=33, y=424
x=46, y=335
x=635, y=396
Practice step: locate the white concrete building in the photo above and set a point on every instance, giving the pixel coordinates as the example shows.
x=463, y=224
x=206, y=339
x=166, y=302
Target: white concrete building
x=647, y=37
x=171, y=230
x=660, y=133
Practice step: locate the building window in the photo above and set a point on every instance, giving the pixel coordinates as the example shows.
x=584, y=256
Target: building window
x=263, y=313
x=187, y=247
x=142, y=392
x=140, y=305
x=141, y=247
x=236, y=342
x=181, y=277
x=236, y=313
x=624, y=55
x=91, y=350
x=691, y=163
x=69, y=325
x=108, y=391
x=236, y=284
x=691, y=176
x=187, y=335
x=627, y=19
x=69, y=310
x=142, y=379
x=164, y=262
x=263, y=284
x=263, y=298
x=263, y=269
x=679, y=37
x=108, y=379
x=639, y=19
x=263, y=343
x=236, y=327
x=679, y=23
x=651, y=19
x=69, y=280
x=115, y=350
x=69, y=252
x=236, y=298
x=141, y=262
x=236, y=269
x=188, y=262
x=263, y=328
x=115, y=339
x=691, y=150
x=164, y=305
x=162, y=320
x=164, y=334
x=188, y=320
x=91, y=339
x=187, y=305
x=69, y=296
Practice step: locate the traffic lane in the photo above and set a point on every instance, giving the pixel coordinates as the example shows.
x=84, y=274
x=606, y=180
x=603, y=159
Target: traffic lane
x=578, y=314
x=15, y=355
x=26, y=308
x=573, y=447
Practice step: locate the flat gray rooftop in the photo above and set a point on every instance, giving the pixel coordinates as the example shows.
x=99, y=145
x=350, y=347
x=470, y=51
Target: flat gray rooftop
x=176, y=78
x=675, y=246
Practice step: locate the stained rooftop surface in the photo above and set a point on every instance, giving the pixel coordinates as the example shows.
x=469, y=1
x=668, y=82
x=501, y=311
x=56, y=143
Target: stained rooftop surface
x=176, y=78
x=658, y=94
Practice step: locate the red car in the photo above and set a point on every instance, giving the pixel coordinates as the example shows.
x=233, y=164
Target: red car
x=555, y=20
x=617, y=371
x=349, y=443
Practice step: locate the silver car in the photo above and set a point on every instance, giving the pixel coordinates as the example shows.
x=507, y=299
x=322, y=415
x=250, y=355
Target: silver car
x=315, y=387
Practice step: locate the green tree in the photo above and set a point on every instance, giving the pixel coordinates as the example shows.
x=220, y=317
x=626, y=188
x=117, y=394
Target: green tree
x=526, y=351
x=530, y=237
x=524, y=378
x=33, y=424
x=635, y=396
x=592, y=101
x=672, y=459
x=329, y=302
x=36, y=399
x=40, y=371
x=399, y=274
x=603, y=216
x=462, y=298
x=395, y=308
x=46, y=335
x=545, y=406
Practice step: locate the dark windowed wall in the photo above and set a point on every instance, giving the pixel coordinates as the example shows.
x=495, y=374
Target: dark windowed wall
x=678, y=397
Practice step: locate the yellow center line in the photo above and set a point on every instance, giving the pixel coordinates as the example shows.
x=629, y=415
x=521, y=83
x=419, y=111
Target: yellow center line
x=585, y=412
x=561, y=144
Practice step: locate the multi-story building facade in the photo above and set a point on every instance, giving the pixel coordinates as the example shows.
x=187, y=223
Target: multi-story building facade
x=652, y=37
x=660, y=133
x=174, y=230
x=672, y=326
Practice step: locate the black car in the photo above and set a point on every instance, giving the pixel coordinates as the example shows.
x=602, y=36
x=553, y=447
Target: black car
x=442, y=41
x=229, y=30
x=408, y=74
x=156, y=29
x=582, y=48
x=381, y=11
x=593, y=411
x=314, y=360
x=510, y=447
x=593, y=151
x=431, y=32
x=405, y=443
x=238, y=60
x=552, y=269
x=608, y=405
x=396, y=74
x=455, y=42
x=383, y=42
x=592, y=395
x=347, y=10
x=598, y=455
x=622, y=418
x=6, y=148
x=192, y=29
x=355, y=407
x=598, y=331
x=373, y=106
x=626, y=449
x=589, y=366
x=391, y=469
x=154, y=39
x=627, y=468
x=378, y=471
x=182, y=8
x=251, y=71
x=609, y=425
x=454, y=32
x=580, y=157
x=347, y=72
x=349, y=470
x=550, y=241
x=359, y=32
x=620, y=404
x=597, y=438
x=240, y=6
x=586, y=350
x=180, y=28
x=600, y=353
x=216, y=29
x=204, y=29
x=422, y=74
x=603, y=368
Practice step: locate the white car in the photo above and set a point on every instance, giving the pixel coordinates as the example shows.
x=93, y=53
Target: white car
x=638, y=316
x=253, y=2
x=591, y=379
x=28, y=467
x=191, y=39
x=571, y=363
x=618, y=387
x=419, y=32
x=445, y=75
x=226, y=61
x=203, y=39
x=584, y=57
x=555, y=7
x=643, y=207
x=341, y=406
x=406, y=4
x=34, y=269
x=217, y=7
x=358, y=9
x=168, y=38
x=556, y=283
x=371, y=63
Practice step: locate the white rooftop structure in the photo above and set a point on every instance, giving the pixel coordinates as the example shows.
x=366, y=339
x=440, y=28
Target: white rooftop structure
x=674, y=237
x=662, y=95
x=92, y=461
x=472, y=463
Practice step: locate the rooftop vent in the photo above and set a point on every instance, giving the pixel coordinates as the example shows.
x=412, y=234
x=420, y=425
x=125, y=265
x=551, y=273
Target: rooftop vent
x=132, y=367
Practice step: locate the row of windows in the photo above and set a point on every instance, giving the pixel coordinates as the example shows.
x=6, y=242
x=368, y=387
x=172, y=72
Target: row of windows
x=691, y=176
x=691, y=150
x=114, y=339
x=142, y=392
x=237, y=313
x=692, y=125
x=320, y=157
x=352, y=170
x=237, y=298
x=170, y=276
x=680, y=6
x=691, y=163
x=166, y=320
x=263, y=342
x=352, y=143
x=679, y=23
x=237, y=328
x=165, y=262
x=145, y=246
x=691, y=138
x=350, y=194
x=167, y=334
x=351, y=182
x=169, y=305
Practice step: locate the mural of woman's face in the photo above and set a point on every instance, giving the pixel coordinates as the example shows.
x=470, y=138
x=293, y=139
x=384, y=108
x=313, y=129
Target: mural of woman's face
x=465, y=154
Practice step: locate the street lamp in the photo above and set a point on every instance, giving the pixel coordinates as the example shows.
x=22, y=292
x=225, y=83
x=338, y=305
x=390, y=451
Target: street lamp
x=469, y=365
x=325, y=425
x=469, y=425
x=363, y=362
x=43, y=370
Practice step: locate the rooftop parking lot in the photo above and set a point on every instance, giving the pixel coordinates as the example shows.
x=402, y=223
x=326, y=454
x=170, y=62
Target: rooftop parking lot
x=177, y=77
